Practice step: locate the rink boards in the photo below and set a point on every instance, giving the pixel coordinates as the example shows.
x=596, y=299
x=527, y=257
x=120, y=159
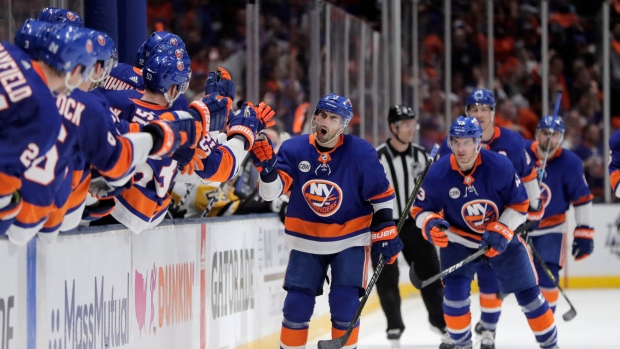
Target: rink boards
x=186, y=285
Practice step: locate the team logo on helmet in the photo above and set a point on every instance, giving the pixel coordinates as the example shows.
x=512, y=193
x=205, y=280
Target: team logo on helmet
x=478, y=213
x=101, y=40
x=178, y=53
x=174, y=41
x=71, y=16
x=180, y=65
x=89, y=46
x=545, y=194
x=478, y=94
x=323, y=197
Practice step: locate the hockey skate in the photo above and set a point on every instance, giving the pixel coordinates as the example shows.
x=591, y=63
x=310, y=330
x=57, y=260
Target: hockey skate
x=487, y=340
x=393, y=336
x=447, y=343
x=478, y=329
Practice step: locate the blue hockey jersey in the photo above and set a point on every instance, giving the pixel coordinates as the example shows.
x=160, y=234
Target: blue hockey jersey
x=29, y=122
x=614, y=162
x=509, y=143
x=563, y=184
x=124, y=77
x=332, y=193
x=470, y=202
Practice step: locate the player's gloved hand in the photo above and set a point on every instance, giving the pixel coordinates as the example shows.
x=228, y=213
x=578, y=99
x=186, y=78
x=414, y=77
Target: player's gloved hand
x=10, y=205
x=166, y=137
x=98, y=210
x=190, y=160
x=434, y=230
x=497, y=238
x=244, y=123
x=536, y=214
x=583, y=243
x=220, y=82
x=279, y=206
x=101, y=189
x=385, y=241
x=220, y=108
x=264, y=113
x=264, y=158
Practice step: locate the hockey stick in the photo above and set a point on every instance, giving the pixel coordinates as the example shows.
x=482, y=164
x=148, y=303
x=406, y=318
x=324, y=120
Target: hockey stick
x=419, y=284
x=339, y=342
x=572, y=312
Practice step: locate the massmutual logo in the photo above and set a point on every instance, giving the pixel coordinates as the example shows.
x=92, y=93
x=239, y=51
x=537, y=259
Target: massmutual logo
x=478, y=213
x=323, y=197
x=164, y=296
x=91, y=317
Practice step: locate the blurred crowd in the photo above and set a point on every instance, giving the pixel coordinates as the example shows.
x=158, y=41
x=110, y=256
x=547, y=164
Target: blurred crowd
x=214, y=32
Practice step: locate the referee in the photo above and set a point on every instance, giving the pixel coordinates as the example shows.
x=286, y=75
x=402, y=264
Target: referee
x=403, y=162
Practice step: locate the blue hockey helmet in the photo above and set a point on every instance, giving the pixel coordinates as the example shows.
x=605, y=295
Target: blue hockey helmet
x=60, y=15
x=169, y=66
x=105, y=51
x=550, y=123
x=30, y=36
x=66, y=47
x=155, y=39
x=465, y=127
x=336, y=104
x=480, y=96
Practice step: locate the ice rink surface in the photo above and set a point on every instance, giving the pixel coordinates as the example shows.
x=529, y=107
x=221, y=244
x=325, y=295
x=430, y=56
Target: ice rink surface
x=596, y=326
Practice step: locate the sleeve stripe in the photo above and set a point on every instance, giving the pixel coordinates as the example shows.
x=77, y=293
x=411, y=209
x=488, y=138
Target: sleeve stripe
x=385, y=194
x=520, y=206
x=583, y=200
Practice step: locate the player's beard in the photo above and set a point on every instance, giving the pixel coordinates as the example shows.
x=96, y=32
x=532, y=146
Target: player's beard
x=324, y=134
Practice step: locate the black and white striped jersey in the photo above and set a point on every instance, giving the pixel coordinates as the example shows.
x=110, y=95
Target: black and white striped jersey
x=402, y=169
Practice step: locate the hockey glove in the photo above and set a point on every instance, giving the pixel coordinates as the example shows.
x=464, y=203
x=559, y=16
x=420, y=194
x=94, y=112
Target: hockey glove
x=101, y=189
x=434, y=230
x=264, y=113
x=536, y=214
x=264, y=158
x=11, y=205
x=583, y=243
x=220, y=83
x=219, y=108
x=386, y=242
x=245, y=124
x=166, y=137
x=99, y=210
x=497, y=238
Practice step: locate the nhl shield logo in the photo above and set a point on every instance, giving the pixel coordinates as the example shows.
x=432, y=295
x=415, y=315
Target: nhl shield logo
x=323, y=197
x=478, y=213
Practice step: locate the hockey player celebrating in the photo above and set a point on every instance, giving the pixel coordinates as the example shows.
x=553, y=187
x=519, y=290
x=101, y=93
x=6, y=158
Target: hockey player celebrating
x=403, y=162
x=341, y=202
x=563, y=184
x=614, y=162
x=481, y=105
x=483, y=201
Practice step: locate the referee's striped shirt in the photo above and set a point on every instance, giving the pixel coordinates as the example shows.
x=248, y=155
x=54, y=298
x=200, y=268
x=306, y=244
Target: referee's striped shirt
x=402, y=169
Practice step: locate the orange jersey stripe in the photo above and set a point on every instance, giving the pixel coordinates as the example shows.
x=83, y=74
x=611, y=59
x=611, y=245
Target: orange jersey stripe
x=226, y=167
x=458, y=323
x=386, y=193
x=33, y=214
x=293, y=338
x=9, y=184
x=78, y=195
x=583, y=200
x=415, y=211
x=134, y=127
x=323, y=230
x=552, y=221
x=56, y=216
x=614, y=179
x=286, y=180
x=125, y=158
x=139, y=202
x=336, y=333
x=532, y=176
x=466, y=234
x=543, y=322
x=520, y=207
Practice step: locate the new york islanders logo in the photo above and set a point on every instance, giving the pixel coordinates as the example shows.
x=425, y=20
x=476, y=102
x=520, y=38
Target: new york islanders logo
x=71, y=16
x=89, y=46
x=101, y=40
x=174, y=41
x=545, y=194
x=178, y=53
x=180, y=65
x=323, y=197
x=478, y=213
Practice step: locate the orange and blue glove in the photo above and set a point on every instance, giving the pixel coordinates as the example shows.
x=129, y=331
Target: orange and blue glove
x=434, y=230
x=244, y=123
x=497, y=238
x=220, y=83
x=264, y=158
x=583, y=243
x=264, y=113
x=385, y=242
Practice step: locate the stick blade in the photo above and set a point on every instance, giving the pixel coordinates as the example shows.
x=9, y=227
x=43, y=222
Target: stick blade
x=569, y=315
x=336, y=343
x=413, y=277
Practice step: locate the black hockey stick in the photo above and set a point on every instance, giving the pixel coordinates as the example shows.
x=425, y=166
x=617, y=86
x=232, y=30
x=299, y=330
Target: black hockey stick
x=419, y=284
x=572, y=312
x=339, y=342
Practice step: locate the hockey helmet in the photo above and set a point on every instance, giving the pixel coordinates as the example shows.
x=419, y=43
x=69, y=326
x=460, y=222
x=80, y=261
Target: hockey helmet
x=480, y=96
x=465, y=127
x=105, y=51
x=151, y=43
x=400, y=112
x=551, y=123
x=336, y=104
x=60, y=15
x=169, y=66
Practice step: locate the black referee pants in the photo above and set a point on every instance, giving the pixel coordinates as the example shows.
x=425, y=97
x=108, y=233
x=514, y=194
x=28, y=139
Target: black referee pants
x=426, y=262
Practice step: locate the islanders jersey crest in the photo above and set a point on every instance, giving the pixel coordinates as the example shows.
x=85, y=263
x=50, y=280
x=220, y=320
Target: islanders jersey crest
x=545, y=194
x=478, y=213
x=323, y=197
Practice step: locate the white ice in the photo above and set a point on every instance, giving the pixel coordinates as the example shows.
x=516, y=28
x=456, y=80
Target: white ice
x=596, y=326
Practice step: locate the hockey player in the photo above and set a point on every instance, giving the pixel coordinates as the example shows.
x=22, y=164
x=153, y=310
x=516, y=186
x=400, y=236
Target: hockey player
x=483, y=201
x=481, y=105
x=563, y=184
x=614, y=163
x=84, y=133
x=403, y=162
x=341, y=202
